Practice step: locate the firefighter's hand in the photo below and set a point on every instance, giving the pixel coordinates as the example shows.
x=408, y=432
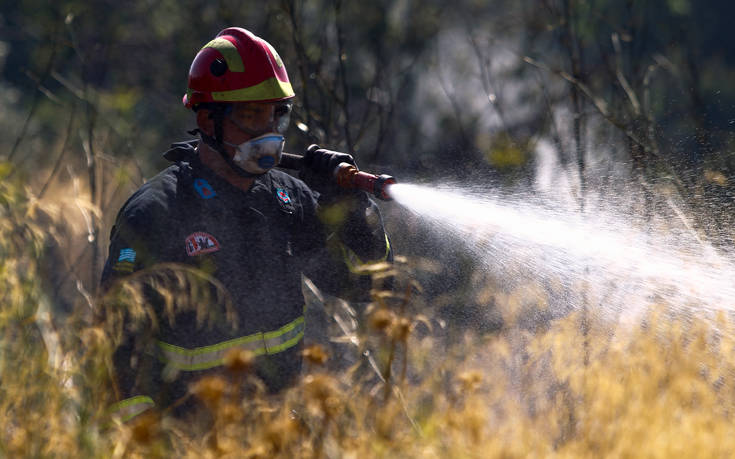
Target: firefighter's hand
x=318, y=174
x=323, y=162
x=319, y=168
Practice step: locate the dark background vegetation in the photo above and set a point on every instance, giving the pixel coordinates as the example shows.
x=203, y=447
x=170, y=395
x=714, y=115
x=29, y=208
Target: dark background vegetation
x=471, y=91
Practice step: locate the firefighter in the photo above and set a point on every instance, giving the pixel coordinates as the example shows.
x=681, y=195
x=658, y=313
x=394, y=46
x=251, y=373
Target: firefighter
x=223, y=209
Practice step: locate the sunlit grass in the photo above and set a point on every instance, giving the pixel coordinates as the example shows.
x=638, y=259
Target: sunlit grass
x=578, y=386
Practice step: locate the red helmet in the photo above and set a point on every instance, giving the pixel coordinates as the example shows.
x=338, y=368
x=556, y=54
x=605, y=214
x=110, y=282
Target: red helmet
x=237, y=66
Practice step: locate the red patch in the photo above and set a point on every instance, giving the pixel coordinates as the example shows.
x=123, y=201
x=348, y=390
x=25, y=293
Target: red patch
x=198, y=243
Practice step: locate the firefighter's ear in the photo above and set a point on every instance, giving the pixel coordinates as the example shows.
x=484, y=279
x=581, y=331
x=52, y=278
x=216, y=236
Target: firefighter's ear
x=205, y=122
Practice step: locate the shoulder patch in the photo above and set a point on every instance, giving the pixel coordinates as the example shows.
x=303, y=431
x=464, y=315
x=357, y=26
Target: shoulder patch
x=125, y=261
x=127, y=255
x=199, y=242
x=204, y=189
x=283, y=195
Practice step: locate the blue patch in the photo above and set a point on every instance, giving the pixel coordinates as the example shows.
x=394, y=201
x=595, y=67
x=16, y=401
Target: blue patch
x=127, y=255
x=282, y=195
x=204, y=189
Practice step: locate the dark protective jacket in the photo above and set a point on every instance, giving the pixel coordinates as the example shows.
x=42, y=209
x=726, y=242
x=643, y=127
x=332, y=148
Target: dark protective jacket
x=255, y=246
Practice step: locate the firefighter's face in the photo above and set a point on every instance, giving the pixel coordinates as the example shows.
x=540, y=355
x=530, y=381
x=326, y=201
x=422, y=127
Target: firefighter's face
x=252, y=133
x=248, y=120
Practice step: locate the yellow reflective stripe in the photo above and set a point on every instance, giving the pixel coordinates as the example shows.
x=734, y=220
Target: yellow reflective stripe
x=260, y=343
x=272, y=88
x=131, y=407
x=354, y=263
x=229, y=52
x=287, y=344
x=351, y=259
x=283, y=330
x=203, y=358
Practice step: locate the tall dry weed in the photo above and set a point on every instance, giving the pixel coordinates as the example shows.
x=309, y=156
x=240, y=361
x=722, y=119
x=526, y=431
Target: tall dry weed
x=570, y=387
x=44, y=409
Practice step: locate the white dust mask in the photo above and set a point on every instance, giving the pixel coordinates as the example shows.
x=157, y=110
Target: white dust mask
x=259, y=155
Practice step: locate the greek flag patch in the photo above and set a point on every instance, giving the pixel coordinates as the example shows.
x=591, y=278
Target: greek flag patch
x=127, y=255
x=126, y=261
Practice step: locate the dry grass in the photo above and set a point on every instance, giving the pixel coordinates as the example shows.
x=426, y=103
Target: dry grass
x=660, y=388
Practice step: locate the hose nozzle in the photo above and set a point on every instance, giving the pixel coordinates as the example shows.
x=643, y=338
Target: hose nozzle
x=349, y=177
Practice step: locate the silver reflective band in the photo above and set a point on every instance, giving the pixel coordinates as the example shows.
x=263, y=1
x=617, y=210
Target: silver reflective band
x=202, y=358
x=131, y=407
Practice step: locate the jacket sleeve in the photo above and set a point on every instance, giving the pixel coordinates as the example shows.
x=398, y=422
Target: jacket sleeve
x=352, y=234
x=363, y=236
x=131, y=362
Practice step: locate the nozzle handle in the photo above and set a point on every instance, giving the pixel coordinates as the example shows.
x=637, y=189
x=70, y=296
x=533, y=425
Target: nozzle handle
x=291, y=161
x=347, y=176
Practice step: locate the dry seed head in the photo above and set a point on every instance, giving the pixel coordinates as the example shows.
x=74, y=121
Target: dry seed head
x=322, y=395
x=372, y=268
x=318, y=387
x=94, y=337
x=470, y=380
x=279, y=433
x=315, y=354
x=401, y=329
x=256, y=452
x=239, y=360
x=227, y=447
x=145, y=428
x=19, y=444
x=381, y=319
x=209, y=390
x=333, y=406
x=474, y=422
x=230, y=413
x=385, y=425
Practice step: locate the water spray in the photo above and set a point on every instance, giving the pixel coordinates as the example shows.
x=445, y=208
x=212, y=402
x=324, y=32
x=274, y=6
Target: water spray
x=604, y=258
x=346, y=175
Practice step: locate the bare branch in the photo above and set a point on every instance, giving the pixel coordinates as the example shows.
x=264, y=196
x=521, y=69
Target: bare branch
x=341, y=57
x=598, y=103
x=36, y=97
x=455, y=105
x=647, y=107
x=555, y=135
x=484, y=64
x=44, y=90
x=621, y=77
x=62, y=153
x=302, y=59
